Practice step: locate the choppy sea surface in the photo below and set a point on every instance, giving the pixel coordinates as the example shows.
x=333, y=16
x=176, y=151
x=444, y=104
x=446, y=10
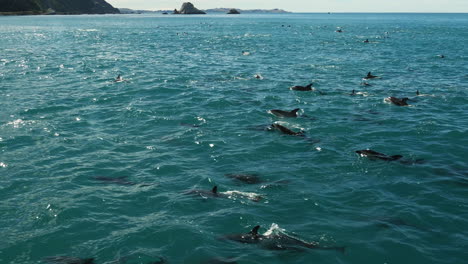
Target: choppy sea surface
x=92, y=168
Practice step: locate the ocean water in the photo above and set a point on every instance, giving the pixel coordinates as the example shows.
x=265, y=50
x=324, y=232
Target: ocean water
x=92, y=168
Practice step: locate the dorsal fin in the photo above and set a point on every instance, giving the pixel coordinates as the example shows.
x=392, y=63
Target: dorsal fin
x=215, y=189
x=309, y=85
x=255, y=230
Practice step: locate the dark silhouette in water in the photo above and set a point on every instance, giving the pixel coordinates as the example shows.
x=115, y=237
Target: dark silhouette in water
x=302, y=88
x=246, y=178
x=204, y=193
x=397, y=101
x=282, y=113
x=68, y=260
x=160, y=261
x=417, y=92
x=374, y=155
x=286, y=130
x=119, y=79
x=370, y=76
x=119, y=180
x=278, y=241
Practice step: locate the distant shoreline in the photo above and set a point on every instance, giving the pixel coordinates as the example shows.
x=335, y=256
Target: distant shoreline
x=37, y=13
x=208, y=11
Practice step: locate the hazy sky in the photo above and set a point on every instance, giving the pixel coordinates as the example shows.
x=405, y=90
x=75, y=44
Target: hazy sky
x=434, y=6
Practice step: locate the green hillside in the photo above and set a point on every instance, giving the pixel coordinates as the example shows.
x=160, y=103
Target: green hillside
x=59, y=6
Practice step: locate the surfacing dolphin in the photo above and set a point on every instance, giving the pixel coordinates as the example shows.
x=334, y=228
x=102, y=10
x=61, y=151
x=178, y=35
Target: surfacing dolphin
x=279, y=241
x=228, y=194
x=68, y=260
x=247, y=178
x=374, y=155
x=302, y=88
x=397, y=101
x=207, y=193
x=282, y=113
x=119, y=180
x=286, y=130
x=370, y=76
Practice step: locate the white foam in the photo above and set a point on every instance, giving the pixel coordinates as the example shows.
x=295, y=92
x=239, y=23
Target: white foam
x=19, y=122
x=249, y=195
x=274, y=229
x=88, y=30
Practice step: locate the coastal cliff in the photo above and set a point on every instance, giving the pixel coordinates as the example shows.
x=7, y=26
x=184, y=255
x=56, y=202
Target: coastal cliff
x=56, y=7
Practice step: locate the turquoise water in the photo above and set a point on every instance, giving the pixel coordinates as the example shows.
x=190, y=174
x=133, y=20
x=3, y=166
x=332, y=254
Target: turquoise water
x=191, y=111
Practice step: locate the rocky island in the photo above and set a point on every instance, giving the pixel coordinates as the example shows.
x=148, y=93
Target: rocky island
x=41, y=7
x=189, y=9
x=233, y=11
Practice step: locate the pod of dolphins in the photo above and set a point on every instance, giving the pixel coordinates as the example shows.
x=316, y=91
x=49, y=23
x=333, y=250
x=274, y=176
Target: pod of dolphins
x=277, y=241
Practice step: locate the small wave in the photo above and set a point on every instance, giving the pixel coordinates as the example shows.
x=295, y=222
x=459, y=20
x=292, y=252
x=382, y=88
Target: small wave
x=3, y=165
x=88, y=30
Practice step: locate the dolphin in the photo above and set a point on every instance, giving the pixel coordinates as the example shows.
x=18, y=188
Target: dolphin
x=397, y=101
x=286, y=130
x=119, y=79
x=247, y=178
x=119, y=180
x=387, y=222
x=276, y=241
x=204, y=193
x=228, y=194
x=68, y=260
x=281, y=113
x=374, y=155
x=160, y=261
x=302, y=88
x=370, y=76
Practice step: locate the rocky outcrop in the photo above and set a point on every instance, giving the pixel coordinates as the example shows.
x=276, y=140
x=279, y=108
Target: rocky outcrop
x=247, y=11
x=58, y=6
x=233, y=12
x=189, y=9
